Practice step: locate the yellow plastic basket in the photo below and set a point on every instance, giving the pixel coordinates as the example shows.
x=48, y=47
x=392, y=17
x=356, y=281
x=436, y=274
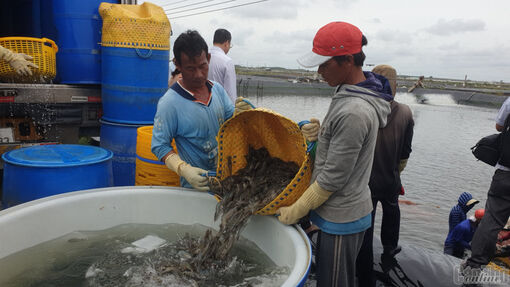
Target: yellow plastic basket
x=279, y=135
x=503, y=266
x=43, y=52
x=143, y=143
x=148, y=173
x=149, y=170
x=143, y=26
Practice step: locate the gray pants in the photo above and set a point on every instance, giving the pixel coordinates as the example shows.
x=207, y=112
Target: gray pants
x=497, y=211
x=336, y=259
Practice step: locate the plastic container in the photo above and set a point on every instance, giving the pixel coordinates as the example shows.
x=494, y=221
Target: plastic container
x=149, y=170
x=78, y=27
x=39, y=171
x=133, y=81
x=121, y=140
x=104, y=208
x=43, y=53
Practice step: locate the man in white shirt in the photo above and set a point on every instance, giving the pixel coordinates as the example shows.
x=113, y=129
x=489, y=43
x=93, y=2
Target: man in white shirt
x=221, y=67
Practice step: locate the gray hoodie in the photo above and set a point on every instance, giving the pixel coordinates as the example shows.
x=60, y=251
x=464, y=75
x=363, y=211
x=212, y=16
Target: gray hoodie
x=345, y=152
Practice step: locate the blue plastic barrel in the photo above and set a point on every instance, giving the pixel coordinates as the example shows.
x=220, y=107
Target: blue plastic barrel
x=39, y=171
x=121, y=140
x=78, y=26
x=133, y=81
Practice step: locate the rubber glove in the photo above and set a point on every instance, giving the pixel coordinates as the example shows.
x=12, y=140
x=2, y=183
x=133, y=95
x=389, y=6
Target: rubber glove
x=18, y=61
x=242, y=105
x=313, y=197
x=402, y=164
x=311, y=130
x=193, y=175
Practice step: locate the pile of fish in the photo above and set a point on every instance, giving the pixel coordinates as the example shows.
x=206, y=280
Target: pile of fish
x=172, y=265
x=242, y=194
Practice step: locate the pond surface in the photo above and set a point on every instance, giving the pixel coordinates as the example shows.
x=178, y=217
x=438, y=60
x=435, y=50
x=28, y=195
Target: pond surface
x=441, y=165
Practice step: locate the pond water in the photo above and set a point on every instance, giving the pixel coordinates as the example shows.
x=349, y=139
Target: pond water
x=441, y=165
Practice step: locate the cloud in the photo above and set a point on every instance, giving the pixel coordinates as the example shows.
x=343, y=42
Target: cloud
x=477, y=63
x=449, y=47
x=393, y=36
x=478, y=57
x=429, y=42
x=292, y=36
x=241, y=35
x=284, y=9
x=455, y=26
x=272, y=9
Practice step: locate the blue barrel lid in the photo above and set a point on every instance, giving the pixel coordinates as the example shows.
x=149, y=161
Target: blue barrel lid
x=59, y=155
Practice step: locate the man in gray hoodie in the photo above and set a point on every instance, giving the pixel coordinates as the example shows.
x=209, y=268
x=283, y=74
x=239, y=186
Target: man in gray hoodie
x=339, y=197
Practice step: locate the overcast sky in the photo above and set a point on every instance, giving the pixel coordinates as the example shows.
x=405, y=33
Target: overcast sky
x=447, y=38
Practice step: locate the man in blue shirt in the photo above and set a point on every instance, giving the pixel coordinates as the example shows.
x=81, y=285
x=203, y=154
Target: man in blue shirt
x=459, y=238
x=191, y=112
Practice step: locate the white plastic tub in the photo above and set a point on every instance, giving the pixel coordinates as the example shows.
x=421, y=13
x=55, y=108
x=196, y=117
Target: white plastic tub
x=34, y=222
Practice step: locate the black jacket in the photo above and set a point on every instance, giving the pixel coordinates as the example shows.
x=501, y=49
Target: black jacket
x=393, y=144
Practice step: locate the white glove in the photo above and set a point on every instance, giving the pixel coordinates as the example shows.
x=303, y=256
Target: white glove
x=193, y=175
x=242, y=105
x=311, y=130
x=18, y=61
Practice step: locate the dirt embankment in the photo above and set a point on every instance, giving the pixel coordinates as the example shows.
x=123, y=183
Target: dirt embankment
x=256, y=86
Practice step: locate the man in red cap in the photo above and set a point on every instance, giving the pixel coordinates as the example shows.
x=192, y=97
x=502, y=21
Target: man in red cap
x=339, y=197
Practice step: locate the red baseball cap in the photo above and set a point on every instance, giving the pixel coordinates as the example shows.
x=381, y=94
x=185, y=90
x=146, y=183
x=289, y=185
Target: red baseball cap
x=479, y=213
x=334, y=39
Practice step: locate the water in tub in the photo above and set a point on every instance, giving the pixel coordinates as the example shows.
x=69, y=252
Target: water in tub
x=135, y=255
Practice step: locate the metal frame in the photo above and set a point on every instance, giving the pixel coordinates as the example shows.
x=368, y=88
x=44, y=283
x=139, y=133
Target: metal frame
x=49, y=93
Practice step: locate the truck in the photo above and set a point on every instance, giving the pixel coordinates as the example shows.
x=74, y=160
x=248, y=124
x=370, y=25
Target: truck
x=45, y=113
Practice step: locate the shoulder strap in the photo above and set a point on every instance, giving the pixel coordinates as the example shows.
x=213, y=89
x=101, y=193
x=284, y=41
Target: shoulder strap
x=506, y=127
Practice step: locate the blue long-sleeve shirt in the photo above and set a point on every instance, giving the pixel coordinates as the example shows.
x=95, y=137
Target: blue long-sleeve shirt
x=457, y=215
x=193, y=124
x=461, y=235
